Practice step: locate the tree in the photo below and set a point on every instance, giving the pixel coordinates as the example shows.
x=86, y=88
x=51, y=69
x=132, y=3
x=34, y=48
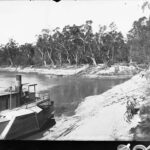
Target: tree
x=138, y=40
x=89, y=36
x=11, y=52
x=27, y=51
x=76, y=44
x=43, y=45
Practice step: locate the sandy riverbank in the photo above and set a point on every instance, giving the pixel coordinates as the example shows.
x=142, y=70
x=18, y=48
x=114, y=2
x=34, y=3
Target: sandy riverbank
x=99, y=71
x=63, y=71
x=101, y=117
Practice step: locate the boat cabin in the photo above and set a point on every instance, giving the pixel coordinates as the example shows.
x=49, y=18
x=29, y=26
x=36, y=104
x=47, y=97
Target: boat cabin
x=15, y=97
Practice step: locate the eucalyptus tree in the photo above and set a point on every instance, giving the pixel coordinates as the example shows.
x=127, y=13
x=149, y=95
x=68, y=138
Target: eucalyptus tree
x=121, y=53
x=77, y=43
x=138, y=40
x=108, y=40
x=3, y=56
x=40, y=46
x=57, y=40
x=11, y=51
x=51, y=50
x=44, y=46
x=98, y=41
x=90, y=44
x=27, y=51
x=64, y=42
x=82, y=39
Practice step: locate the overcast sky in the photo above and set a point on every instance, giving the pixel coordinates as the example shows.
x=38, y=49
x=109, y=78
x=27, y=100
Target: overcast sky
x=23, y=20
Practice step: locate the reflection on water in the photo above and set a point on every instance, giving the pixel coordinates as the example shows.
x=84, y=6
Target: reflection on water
x=66, y=93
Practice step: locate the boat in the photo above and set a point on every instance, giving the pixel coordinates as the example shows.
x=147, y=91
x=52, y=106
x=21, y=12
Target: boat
x=22, y=112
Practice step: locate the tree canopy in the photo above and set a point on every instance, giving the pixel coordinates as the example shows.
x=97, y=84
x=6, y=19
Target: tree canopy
x=78, y=44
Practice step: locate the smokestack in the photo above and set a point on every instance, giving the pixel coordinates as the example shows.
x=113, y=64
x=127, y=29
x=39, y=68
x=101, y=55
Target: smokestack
x=10, y=102
x=18, y=83
x=19, y=87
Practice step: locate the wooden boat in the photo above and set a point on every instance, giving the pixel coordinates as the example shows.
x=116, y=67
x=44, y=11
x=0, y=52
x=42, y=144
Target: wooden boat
x=22, y=113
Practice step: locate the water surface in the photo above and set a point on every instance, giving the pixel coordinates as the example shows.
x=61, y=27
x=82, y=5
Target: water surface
x=66, y=92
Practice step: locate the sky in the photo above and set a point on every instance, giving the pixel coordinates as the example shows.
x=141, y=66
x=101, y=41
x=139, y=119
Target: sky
x=23, y=20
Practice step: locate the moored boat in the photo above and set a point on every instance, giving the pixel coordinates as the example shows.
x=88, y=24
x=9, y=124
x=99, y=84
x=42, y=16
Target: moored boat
x=22, y=112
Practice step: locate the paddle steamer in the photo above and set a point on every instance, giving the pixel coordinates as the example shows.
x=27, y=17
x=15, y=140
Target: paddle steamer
x=22, y=112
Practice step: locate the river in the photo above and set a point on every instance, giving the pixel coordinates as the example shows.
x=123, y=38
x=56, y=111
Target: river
x=66, y=92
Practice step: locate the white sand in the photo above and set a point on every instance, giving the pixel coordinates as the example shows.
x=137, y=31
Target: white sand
x=85, y=70
x=61, y=71
x=100, y=117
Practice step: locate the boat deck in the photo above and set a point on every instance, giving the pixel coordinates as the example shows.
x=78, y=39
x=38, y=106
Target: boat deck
x=22, y=110
x=19, y=112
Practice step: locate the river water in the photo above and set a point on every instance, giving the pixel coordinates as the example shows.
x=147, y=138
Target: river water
x=66, y=92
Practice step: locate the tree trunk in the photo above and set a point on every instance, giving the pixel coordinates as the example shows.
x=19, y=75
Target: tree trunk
x=92, y=57
x=29, y=62
x=42, y=57
x=76, y=59
x=112, y=55
x=11, y=62
x=67, y=53
x=98, y=47
x=94, y=61
x=50, y=57
x=60, y=59
x=83, y=40
x=144, y=53
x=69, y=61
x=44, y=61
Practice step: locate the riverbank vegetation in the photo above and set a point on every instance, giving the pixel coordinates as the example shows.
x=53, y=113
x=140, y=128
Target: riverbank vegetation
x=78, y=44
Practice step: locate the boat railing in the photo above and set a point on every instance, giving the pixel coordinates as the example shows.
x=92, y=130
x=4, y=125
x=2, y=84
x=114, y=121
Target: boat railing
x=42, y=96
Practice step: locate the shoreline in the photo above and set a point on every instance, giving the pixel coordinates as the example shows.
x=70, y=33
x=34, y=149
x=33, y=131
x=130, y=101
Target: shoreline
x=101, y=117
x=98, y=71
x=104, y=114
x=111, y=77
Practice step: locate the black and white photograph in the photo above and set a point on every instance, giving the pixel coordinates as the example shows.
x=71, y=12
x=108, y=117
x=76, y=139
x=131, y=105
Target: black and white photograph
x=75, y=70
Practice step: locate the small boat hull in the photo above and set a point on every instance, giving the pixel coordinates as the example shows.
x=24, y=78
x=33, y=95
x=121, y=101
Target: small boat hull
x=22, y=113
x=26, y=121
